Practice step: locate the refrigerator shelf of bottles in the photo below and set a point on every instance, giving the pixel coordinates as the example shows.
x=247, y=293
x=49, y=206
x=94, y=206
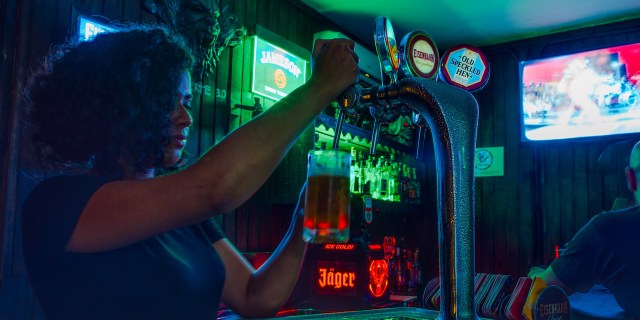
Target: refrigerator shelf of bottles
x=357, y=137
x=347, y=140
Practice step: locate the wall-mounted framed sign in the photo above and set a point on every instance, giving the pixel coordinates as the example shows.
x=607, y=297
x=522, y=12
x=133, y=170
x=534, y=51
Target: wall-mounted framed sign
x=276, y=72
x=489, y=162
x=89, y=28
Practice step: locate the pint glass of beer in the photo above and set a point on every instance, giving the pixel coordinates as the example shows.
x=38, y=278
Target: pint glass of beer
x=327, y=209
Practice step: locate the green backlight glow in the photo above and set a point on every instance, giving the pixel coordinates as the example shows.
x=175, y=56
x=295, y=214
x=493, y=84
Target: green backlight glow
x=276, y=72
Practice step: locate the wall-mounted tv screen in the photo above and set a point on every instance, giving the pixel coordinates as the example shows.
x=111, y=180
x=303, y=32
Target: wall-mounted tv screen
x=590, y=94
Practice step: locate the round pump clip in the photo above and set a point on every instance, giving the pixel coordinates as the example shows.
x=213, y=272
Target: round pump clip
x=386, y=47
x=466, y=67
x=419, y=56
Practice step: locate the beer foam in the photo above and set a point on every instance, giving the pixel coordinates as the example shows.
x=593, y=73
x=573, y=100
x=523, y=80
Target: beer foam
x=329, y=162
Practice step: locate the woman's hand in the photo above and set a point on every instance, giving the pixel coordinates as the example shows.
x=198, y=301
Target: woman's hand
x=334, y=64
x=535, y=272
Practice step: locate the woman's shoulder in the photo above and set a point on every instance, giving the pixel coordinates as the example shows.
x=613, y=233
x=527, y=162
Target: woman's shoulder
x=60, y=184
x=62, y=191
x=53, y=207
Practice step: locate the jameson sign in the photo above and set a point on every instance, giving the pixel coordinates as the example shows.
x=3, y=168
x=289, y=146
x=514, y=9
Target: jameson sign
x=276, y=72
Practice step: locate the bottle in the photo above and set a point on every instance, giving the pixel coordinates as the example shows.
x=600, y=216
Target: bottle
x=375, y=178
x=404, y=184
x=368, y=173
x=408, y=272
x=394, y=183
x=395, y=187
x=411, y=187
x=387, y=176
x=414, y=187
x=395, y=272
x=402, y=272
x=417, y=268
x=352, y=171
x=361, y=176
x=382, y=177
x=356, y=182
x=417, y=185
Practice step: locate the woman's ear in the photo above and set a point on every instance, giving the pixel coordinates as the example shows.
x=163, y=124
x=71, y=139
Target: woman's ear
x=631, y=179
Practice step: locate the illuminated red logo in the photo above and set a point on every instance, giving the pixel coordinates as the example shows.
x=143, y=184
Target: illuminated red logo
x=336, y=277
x=378, y=277
x=423, y=55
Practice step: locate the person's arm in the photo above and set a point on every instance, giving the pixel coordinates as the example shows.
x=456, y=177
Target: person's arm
x=549, y=278
x=261, y=293
x=582, y=263
x=125, y=212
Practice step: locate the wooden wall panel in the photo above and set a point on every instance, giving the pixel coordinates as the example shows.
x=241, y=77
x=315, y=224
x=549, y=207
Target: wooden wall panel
x=12, y=65
x=6, y=9
x=274, y=13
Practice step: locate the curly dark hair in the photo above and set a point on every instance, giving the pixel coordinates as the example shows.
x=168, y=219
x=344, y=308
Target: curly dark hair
x=105, y=104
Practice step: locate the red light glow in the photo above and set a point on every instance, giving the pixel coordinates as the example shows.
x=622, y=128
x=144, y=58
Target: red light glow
x=378, y=277
x=343, y=221
x=309, y=223
x=329, y=277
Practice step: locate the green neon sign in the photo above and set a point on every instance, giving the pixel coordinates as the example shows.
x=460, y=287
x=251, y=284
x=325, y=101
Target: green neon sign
x=276, y=72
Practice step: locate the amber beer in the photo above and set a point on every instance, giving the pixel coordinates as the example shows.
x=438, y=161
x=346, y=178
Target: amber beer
x=327, y=209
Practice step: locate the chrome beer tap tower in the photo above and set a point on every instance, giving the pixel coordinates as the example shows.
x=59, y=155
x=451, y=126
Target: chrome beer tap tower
x=451, y=113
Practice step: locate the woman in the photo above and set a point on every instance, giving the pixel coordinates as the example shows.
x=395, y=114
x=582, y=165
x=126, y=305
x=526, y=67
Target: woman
x=112, y=239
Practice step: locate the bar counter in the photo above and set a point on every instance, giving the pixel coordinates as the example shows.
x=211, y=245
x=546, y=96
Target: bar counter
x=399, y=313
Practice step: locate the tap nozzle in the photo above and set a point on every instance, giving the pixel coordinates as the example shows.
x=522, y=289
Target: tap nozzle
x=420, y=122
x=349, y=102
x=383, y=109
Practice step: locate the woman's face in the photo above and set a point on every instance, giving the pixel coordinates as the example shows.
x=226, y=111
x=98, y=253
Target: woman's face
x=180, y=122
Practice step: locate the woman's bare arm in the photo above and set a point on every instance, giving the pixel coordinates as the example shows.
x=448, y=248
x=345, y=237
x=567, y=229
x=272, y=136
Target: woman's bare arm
x=261, y=293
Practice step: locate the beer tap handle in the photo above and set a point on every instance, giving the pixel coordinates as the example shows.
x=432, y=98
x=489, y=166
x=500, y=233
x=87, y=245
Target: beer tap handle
x=383, y=110
x=349, y=101
x=386, y=48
